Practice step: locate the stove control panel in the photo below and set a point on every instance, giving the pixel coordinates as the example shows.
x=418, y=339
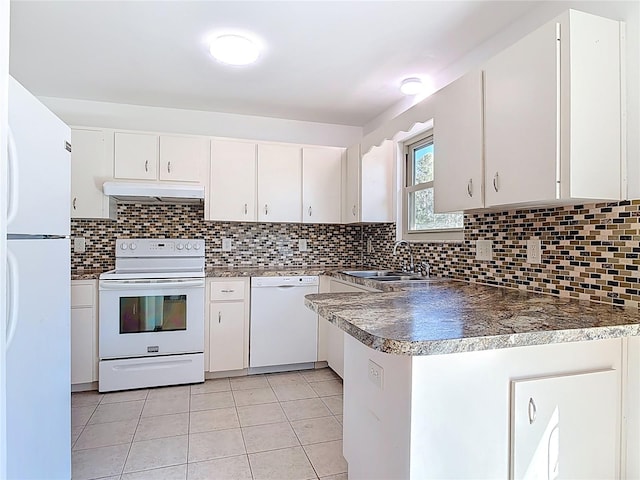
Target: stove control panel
x=144, y=247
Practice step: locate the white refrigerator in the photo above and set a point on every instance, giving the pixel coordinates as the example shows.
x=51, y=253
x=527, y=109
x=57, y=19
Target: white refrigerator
x=38, y=398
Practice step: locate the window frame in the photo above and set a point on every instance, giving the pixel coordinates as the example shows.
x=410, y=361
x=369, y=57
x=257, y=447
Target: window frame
x=437, y=234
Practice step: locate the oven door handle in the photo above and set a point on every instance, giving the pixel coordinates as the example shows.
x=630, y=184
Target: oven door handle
x=119, y=284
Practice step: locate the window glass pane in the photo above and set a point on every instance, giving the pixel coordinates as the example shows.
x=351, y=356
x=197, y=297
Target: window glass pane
x=153, y=314
x=422, y=217
x=423, y=164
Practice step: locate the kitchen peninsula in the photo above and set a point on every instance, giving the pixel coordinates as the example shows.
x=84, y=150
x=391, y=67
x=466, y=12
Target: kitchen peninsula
x=439, y=385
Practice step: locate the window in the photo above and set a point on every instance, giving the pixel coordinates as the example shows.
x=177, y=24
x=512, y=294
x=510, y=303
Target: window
x=420, y=222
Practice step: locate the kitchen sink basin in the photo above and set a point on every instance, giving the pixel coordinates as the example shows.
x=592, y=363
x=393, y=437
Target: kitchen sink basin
x=387, y=275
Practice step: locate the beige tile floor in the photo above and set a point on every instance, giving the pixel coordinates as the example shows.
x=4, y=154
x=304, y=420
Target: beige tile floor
x=283, y=426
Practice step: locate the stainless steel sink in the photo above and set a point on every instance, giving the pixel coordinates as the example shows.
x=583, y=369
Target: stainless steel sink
x=386, y=275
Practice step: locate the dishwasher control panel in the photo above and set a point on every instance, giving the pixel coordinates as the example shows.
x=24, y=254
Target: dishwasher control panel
x=293, y=281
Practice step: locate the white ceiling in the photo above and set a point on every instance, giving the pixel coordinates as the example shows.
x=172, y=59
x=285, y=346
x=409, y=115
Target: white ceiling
x=335, y=62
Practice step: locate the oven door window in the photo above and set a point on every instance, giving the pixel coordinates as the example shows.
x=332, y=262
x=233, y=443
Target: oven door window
x=161, y=313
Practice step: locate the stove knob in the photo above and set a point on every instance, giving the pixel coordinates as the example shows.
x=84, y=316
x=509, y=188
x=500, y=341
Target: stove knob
x=196, y=246
x=188, y=246
x=124, y=246
x=132, y=246
x=179, y=246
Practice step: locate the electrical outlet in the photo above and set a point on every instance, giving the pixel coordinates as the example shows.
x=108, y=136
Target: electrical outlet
x=226, y=244
x=376, y=374
x=484, y=250
x=79, y=245
x=534, y=250
x=302, y=245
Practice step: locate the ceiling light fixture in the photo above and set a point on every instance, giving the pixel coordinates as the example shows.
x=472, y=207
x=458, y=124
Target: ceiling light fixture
x=411, y=86
x=234, y=50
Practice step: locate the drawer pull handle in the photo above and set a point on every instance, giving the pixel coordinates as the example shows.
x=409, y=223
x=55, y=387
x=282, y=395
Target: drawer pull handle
x=470, y=187
x=309, y=211
x=532, y=411
x=219, y=317
x=266, y=209
x=224, y=290
x=74, y=202
x=496, y=186
x=245, y=209
x=168, y=167
x=146, y=165
x=353, y=210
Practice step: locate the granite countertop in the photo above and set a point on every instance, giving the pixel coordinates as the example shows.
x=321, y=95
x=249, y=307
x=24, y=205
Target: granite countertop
x=86, y=274
x=283, y=271
x=451, y=316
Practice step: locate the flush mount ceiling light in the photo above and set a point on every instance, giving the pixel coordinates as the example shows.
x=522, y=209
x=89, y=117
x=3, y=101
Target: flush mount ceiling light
x=411, y=86
x=234, y=49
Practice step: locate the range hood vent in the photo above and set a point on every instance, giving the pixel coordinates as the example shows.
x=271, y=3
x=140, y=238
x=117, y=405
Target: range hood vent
x=131, y=192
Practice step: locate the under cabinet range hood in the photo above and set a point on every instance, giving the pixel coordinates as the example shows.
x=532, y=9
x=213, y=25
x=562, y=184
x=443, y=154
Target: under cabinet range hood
x=139, y=192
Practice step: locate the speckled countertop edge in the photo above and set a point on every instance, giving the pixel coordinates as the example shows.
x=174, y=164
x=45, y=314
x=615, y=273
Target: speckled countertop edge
x=452, y=317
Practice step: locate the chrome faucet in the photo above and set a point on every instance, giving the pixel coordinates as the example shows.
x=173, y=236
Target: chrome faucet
x=395, y=250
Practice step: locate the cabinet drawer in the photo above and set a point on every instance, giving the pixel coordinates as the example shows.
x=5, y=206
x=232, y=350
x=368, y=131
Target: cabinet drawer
x=82, y=295
x=229, y=290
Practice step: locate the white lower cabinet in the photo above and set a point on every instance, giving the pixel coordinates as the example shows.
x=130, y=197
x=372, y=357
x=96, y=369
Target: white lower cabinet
x=486, y=414
x=330, y=337
x=84, y=332
x=565, y=426
x=227, y=345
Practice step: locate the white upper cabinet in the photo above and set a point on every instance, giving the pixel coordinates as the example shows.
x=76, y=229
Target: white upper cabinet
x=232, y=182
x=321, y=184
x=91, y=166
x=183, y=159
x=136, y=156
x=376, y=184
x=553, y=115
x=279, y=183
x=458, y=145
x=351, y=205
x=369, y=185
x=145, y=156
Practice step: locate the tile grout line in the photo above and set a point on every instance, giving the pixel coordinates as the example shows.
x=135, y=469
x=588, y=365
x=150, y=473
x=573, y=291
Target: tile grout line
x=134, y=434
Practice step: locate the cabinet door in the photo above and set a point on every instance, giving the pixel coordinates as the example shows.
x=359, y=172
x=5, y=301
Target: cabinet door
x=91, y=166
x=458, y=145
x=377, y=184
x=226, y=336
x=279, y=183
x=232, y=182
x=321, y=185
x=82, y=345
x=182, y=159
x=566, y=426
x=521, y=120
x=351, y=211
x=136, y=156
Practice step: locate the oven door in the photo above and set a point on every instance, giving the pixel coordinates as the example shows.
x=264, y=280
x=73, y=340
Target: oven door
x=151, y=317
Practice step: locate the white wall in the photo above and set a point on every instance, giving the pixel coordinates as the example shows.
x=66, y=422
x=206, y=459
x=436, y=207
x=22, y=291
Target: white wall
x=627, y=11
x=135, y=117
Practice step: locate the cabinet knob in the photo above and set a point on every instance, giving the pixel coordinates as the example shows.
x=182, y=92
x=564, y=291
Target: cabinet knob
x=309, y=211
x=75, y=199
x=146, y=165
x=168, y=167
x=470, y=187
x=496, y=185
x=532, y=411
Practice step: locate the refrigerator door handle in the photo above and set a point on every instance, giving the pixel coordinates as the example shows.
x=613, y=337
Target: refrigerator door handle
x=12, y=180
x=12, y=297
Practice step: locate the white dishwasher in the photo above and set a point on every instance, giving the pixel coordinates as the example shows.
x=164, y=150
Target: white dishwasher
x=284, y=333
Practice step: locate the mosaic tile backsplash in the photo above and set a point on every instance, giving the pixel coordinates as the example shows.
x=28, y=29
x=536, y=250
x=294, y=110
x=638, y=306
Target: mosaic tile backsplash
x=253, y=244
x=588, y=251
